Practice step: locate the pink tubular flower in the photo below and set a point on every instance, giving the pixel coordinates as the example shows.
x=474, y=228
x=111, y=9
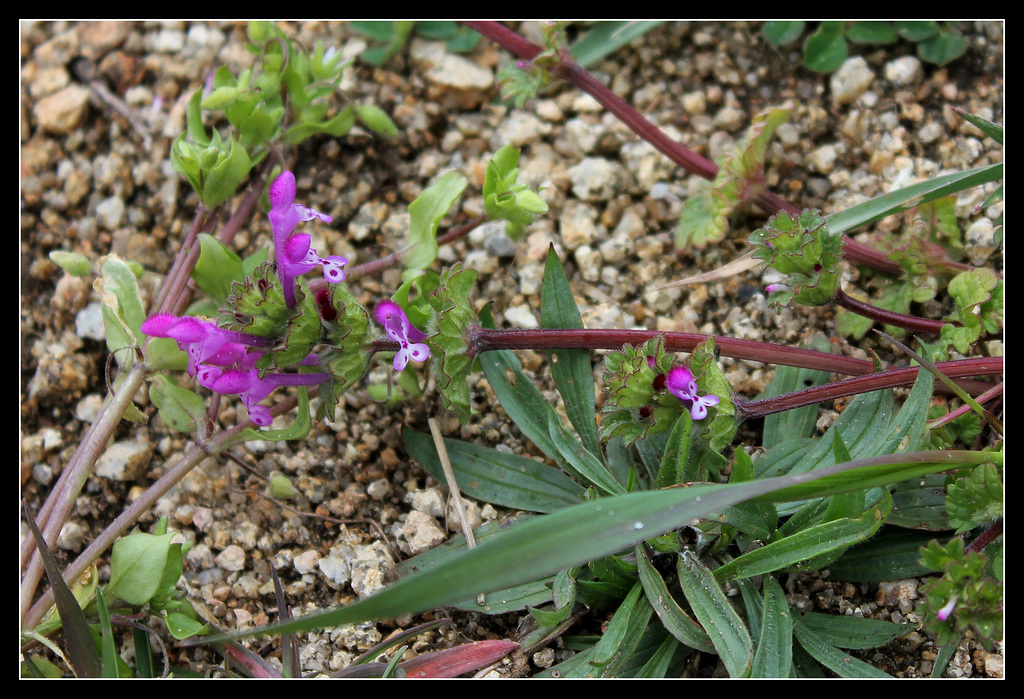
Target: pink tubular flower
x=253, y=389
x=947, y=609
x=295, y=257
x=682, y=385
x=204, y=342
x=397, y=326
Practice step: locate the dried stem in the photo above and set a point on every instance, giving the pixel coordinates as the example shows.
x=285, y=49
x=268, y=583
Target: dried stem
x=570, y=71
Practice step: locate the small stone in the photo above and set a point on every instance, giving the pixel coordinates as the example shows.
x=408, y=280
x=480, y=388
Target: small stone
x=981, y=241
x=72, y=536
x=232, y=558
x=124, y=461
x=903, y=71
x=419, y=533
x=823, y=159
x=306, y=562
x=851, y=80
x=521, y=317
x=519, y=128
x=88, y=408
x=111, y=212
x=89, y=322
x=63, y=111
x=729, y=118
x=596, y=179
x=378, y=489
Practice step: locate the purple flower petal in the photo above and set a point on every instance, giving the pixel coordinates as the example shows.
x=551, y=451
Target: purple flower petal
x=333, y=265
x=681, y=384
x=160, y=324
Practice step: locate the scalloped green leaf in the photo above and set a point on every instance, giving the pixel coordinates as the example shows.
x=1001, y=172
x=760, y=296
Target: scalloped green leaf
x=446, y=334
x=425, y=214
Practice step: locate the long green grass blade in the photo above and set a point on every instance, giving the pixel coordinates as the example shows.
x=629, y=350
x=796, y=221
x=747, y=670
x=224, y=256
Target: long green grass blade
x=571, y=370
x=497, y=477
x=545, y=545
x=774, y=656
x=716, y=614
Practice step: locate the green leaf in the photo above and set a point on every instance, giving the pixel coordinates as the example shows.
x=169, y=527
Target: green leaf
x=798, y=423
x=74, y=263
x=123, y=310
x=493, y=476
x=899, y=200
x=620, y=638
x=825, y=50
x=376, y=119
x=715, y=613
x=137, y=566
x=425, y=214
x=447, y=330
x=571, y=370
x=805, y=545
x=605, y=38
x=680, y=624
x=774, y=656
x=780, y=33
x=872, y=32
x=831, y=657
x=217, y=268
x=917, y=30
x=892, y=555
x=850, y=632
x=975, y=499
x=990, y=129
x=178, y=407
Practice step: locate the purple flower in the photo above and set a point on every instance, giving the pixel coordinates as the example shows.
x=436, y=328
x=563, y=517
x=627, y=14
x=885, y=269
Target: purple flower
x=294, y=256
x=947, y=609
x=682, y=385
x=253, y=389
x=222, y=361
x=204, y=342
x=397, y=326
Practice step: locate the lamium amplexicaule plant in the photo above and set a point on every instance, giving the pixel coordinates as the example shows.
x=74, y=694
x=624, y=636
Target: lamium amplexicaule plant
x=640, y=506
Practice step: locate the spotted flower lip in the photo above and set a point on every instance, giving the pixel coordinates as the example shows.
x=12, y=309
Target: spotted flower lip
x=681, y=383
x=409, y=338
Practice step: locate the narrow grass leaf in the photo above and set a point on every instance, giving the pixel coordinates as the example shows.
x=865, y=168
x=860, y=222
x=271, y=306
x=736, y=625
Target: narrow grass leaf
x=834, y=659
x=497, y=477
x=544, y=545
x=673, y=617
x=774, y=656
x=896, y=201
x=716, y=614
x=571, y=370
x=850, y=632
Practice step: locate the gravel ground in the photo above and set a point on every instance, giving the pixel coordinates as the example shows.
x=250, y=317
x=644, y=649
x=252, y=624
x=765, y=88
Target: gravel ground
x=95, y=181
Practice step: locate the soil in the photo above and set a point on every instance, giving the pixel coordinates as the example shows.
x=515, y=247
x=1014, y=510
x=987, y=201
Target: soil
x=95, y=181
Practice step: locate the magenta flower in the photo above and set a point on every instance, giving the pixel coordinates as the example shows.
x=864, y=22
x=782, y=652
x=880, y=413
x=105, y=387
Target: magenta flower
x=294, y=256
x=682, y=385
x=947, y=609
x=409, y=338
x=222, y=361
x=204, y=342
x=253, y=389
